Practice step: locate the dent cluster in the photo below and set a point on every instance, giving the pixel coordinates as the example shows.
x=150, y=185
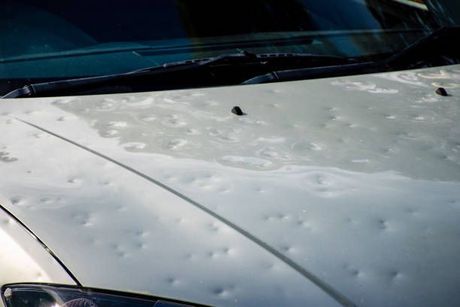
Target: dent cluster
x=385, y=122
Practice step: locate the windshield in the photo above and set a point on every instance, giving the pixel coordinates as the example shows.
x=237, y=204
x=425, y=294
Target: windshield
x=44, y=40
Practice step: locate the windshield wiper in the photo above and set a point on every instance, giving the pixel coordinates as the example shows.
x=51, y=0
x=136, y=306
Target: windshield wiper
x=227, y=69
x=435, y=49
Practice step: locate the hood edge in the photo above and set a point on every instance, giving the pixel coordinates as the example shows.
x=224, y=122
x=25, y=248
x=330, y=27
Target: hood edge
x=45, y=247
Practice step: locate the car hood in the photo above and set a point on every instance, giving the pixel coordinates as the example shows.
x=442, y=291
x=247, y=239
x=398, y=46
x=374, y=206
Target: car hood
x=342, y=190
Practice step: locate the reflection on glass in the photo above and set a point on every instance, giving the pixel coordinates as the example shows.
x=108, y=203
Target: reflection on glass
x=75, y=38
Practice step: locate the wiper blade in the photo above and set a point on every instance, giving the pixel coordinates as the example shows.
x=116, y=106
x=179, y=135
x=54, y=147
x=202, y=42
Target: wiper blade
x=220, y=70
x=313, y=73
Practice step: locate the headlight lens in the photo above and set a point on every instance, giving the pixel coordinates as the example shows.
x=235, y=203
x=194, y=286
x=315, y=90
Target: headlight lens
x=36, y=295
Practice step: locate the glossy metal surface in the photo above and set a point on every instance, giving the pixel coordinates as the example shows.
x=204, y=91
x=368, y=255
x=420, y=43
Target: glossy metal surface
x=23, y=258
x=344, y=188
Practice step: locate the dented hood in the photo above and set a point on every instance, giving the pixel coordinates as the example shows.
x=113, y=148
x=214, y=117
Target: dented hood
x=332, y=191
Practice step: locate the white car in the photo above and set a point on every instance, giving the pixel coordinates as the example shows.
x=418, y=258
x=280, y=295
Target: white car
x=229, y=153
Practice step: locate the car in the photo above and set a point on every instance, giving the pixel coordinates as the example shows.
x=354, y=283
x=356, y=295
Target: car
x=229, y=153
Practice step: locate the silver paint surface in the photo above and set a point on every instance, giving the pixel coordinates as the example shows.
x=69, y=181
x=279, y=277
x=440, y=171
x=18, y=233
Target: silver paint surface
x=22, y=258
x=353, y=180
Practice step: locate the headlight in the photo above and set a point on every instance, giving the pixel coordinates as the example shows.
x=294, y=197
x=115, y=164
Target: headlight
x=38, y=295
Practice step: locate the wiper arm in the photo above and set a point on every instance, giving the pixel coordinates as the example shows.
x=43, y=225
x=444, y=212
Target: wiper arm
x=232, y=68
x=38, y=89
